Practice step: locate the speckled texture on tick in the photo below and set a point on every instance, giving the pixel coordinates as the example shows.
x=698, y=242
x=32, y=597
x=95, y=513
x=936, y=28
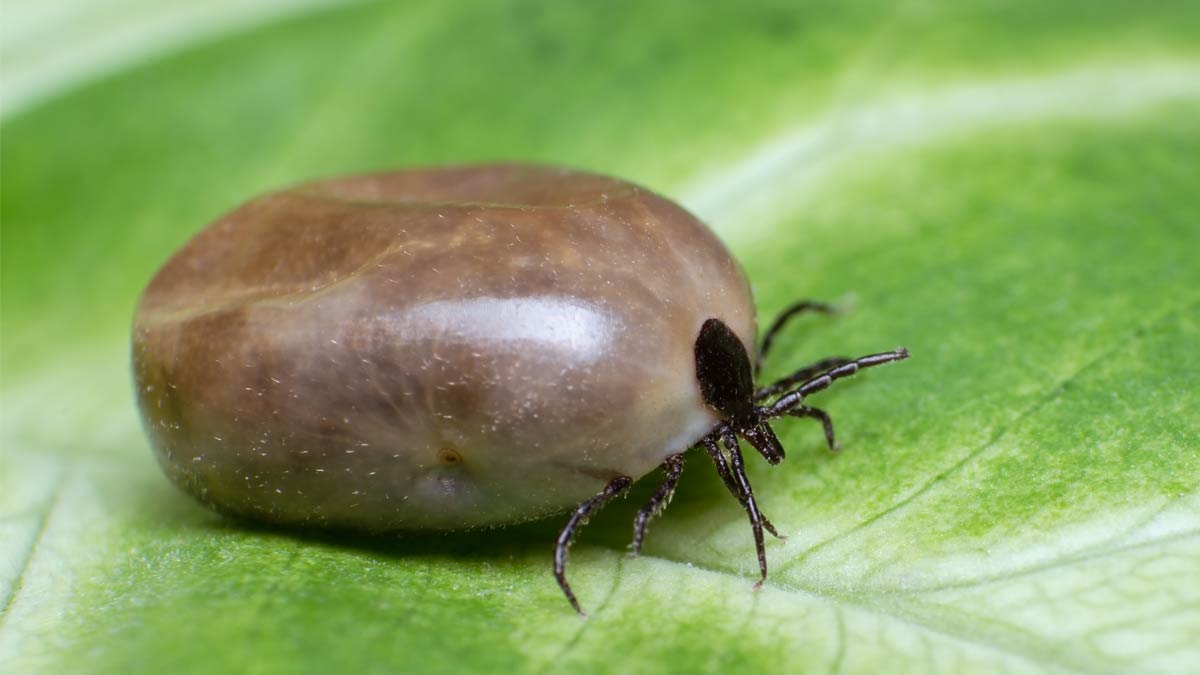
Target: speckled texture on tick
x=431, y=349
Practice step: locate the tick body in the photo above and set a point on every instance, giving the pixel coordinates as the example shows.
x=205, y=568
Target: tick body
x=454, y=348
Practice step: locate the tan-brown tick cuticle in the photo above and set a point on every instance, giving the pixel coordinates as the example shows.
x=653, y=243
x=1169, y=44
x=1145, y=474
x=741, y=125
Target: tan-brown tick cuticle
x=322, y=355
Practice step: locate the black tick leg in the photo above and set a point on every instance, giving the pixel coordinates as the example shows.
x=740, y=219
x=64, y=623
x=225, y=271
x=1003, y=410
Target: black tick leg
x=787, y=382
x=782, y=320
x=793, y=398
x=615, y=488
x=818, y=414
x=657, y=502
x=739, y=475
x=730, y=484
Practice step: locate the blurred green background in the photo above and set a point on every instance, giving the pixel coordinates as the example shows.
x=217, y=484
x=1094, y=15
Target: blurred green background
x=1008, y=189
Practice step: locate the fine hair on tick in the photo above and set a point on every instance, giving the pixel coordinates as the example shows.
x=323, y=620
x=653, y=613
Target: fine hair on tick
x=450, y=348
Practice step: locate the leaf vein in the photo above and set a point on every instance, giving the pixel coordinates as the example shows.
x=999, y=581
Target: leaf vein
x=44, y=516
x=1092, y=553
x=1040, y=402
x=1044, y=653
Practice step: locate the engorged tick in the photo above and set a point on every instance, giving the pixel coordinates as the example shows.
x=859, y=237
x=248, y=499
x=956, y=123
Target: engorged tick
x=451, y=348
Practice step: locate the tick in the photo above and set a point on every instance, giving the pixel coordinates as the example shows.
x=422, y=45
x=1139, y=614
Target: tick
x=452, y=348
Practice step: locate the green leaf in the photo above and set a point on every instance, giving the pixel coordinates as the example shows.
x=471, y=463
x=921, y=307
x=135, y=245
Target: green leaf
x=1007, y=190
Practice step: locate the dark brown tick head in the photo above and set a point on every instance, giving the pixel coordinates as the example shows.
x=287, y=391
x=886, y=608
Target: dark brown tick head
x=727, y=384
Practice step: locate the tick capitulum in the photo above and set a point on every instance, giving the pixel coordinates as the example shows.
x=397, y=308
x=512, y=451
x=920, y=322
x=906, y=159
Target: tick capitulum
x=725, y=378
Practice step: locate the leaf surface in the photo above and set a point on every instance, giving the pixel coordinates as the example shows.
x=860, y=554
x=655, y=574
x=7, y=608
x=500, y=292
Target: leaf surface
x=1008, y=191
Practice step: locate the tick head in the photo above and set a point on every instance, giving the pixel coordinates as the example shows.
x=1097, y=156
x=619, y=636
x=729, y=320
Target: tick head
x=763, y=438
x=724, y=373
x=727, y=385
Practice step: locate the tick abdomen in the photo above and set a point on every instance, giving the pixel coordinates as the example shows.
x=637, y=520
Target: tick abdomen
x=431, y=349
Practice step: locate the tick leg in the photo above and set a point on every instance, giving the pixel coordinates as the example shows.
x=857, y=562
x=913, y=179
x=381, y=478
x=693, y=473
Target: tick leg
x=614, y=488
x=793, y=398
x=817, y=413
x=739, y=474
x=784, y=317
x=785, y=383
x=723, y=471
x=658, y=501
